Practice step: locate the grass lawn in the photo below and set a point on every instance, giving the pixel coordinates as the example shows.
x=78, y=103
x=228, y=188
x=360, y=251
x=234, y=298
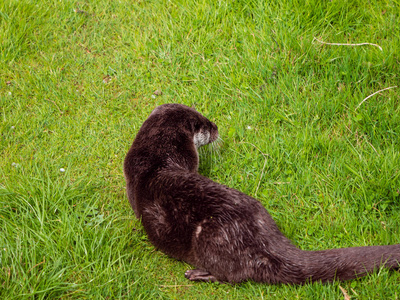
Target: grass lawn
x=77, y=80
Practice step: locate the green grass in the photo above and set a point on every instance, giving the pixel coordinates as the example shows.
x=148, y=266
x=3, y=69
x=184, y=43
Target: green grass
x=77, y=81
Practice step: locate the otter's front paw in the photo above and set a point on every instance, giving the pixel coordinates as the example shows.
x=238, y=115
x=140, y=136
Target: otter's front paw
x=199, y=275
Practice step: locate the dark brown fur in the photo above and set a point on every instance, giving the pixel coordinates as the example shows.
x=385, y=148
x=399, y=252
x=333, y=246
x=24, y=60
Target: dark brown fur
x=227, y=235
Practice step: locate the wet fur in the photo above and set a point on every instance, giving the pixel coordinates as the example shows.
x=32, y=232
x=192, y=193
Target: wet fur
x=227, y=235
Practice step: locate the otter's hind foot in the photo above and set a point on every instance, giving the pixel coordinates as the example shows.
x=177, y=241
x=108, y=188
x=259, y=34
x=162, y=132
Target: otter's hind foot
x=199, y=275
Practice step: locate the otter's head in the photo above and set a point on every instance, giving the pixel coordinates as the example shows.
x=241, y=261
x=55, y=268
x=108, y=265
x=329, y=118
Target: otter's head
x=201, y=130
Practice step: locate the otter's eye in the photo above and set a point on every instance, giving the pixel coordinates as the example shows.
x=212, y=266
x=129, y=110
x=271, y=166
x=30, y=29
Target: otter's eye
x=197, y=127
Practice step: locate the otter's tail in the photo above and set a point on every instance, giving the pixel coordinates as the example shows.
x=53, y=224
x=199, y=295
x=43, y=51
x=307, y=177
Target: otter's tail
x=341, y=264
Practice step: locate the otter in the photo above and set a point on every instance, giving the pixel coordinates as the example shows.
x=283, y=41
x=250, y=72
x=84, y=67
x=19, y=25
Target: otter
x=227, y=235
